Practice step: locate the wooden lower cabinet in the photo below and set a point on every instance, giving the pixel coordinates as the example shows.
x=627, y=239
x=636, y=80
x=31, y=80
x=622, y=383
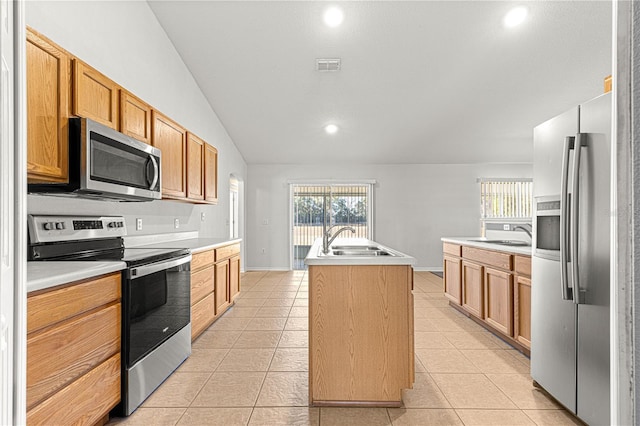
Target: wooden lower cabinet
x=498, y=300
x=472, y=288
x=223, y=298
x=452, y=279
x=202, y=314
x=522, y=311
x=215, y=283
x=73, y=351
x=494, y=287
x=234, y=277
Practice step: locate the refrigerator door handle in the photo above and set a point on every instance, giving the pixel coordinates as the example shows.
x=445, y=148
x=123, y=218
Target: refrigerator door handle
x=580, y=142
x=567, y=293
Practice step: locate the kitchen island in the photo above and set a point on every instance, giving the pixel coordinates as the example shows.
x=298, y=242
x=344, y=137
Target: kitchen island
x=360, y=324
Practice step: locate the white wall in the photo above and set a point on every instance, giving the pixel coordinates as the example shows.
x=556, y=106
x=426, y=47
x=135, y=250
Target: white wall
x=124, y=41
x=414, y=205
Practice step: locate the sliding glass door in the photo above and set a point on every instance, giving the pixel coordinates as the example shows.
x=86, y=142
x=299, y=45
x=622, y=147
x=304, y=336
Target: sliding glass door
x=338, y=204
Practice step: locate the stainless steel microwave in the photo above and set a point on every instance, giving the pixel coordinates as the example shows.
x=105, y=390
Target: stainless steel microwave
x=106, y=164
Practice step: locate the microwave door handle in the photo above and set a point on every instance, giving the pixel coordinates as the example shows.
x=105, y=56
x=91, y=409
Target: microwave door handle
x=156, y=171
x=569, y=143
x=578, y=296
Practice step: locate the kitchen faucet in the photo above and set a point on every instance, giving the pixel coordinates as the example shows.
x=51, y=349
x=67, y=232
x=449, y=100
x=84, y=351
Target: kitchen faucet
x=523, y=228
x=327, y=239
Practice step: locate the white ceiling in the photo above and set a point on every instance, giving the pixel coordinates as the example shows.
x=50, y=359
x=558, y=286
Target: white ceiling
x=421, y=81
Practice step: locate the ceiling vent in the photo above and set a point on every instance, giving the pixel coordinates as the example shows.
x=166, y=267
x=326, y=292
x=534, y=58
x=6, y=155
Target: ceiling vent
x=328, y=64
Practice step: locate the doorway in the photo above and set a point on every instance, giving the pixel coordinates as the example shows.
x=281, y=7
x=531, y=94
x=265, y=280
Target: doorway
x=342, y=204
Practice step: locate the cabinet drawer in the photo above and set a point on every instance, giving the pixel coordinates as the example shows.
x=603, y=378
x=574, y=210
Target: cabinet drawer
x=523, y=265
x=452, y=249
x=61, y=354
x=488, y=257
x=202, y=259
x=85, y=401
x=202, y=314
x=201, y=284
x=227, y=251
x=51, y=306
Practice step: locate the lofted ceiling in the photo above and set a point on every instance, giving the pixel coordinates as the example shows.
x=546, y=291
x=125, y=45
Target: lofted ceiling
x=421, y=81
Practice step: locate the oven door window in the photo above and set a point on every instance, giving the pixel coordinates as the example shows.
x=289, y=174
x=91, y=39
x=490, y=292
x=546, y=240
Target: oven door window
x=159, y=306
x=115, y=162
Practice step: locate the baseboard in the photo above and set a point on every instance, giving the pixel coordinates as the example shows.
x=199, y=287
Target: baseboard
x=267, y=268
x=427, y=268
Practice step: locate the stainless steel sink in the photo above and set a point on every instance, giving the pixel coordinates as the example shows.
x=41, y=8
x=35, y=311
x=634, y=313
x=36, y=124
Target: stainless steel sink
x=516, y=243
x=363, y=253
x=363, y=248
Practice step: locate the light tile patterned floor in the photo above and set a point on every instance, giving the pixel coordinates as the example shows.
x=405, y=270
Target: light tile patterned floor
x=251, y=367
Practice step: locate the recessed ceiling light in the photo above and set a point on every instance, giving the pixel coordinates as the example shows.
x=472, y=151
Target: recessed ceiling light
x=333, y=17
x=331, y=129
x=515, y=16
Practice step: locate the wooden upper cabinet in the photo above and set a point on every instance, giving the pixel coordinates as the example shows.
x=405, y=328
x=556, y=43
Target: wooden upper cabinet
x=135, y=117
x=48, y=88
x=171, y=139
x=195, y=167
x=94, y=95
x=210, y=174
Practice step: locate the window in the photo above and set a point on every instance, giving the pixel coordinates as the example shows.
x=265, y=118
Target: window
x=506, y=198
x=341, y=204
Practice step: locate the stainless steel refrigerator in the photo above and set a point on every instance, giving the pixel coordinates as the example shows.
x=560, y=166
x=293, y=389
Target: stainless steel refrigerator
x=571, y=259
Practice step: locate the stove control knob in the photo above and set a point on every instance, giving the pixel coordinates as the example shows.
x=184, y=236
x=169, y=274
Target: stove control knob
x=49, y=226
x=59, y=225
x=112, y=224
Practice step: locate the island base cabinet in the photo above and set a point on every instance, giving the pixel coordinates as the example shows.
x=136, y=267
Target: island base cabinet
x=361, y=335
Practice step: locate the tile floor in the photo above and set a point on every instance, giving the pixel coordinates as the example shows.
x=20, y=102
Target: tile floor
x=251, y=366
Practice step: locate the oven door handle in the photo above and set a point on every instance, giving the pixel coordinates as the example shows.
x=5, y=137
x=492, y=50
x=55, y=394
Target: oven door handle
x=144, y=270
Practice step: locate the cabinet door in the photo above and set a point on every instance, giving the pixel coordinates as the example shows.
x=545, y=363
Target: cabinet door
x=210, y=174
x=522, y=308
x=234, y=277
x=498, y=300
x=48, y=88
x=472, y=288
x=94, y=95
x=452, y=279
x=135, y=117
x=171, y=139
x=222, y=287
x=195, y=167
x=202, y=315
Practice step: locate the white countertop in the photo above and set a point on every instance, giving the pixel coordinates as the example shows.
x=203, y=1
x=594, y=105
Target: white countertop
x=42, y=274
x=194, y=244
x=474, y=242
x=186, y=240
x=315, y=256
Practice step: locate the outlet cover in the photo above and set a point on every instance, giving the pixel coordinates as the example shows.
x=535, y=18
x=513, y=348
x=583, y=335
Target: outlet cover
x=176, y=223
x=138, y=224
x=202, y=216
x=506, y=227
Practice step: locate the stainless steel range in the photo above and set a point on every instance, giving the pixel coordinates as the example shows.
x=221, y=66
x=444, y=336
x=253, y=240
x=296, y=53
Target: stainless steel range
x=156, y=322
